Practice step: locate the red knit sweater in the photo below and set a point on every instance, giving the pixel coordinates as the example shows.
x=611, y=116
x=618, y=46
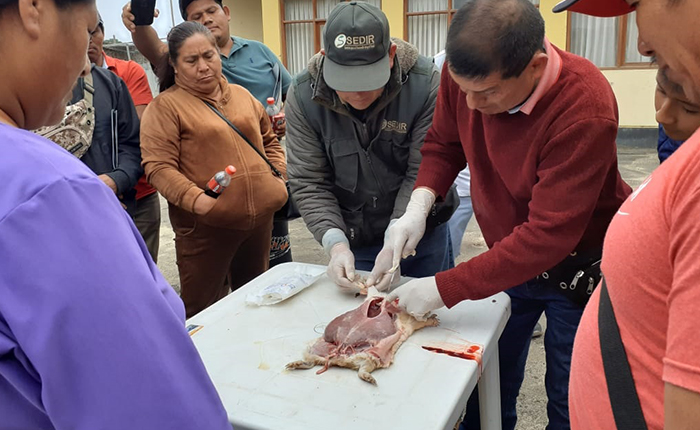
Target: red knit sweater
x=542, y=185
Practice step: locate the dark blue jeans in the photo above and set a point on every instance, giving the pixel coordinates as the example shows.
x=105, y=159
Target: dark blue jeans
x=433, y=254
x=528, y=301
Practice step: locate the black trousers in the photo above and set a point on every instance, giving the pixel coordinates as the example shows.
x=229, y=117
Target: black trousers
x=280, y=247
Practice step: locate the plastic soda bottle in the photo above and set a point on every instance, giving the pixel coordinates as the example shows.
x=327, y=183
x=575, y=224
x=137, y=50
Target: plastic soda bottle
x=218, y=183
x=276, y=115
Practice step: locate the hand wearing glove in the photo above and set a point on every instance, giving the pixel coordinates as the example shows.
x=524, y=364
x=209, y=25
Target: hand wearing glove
x=341, y=268
x=407, y=231
x=382, y=277
x=418, y=297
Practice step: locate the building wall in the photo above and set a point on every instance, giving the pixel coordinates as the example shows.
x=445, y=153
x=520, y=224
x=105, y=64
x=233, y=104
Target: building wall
x=634, y=88
x=554, y=23
x=246, y=18
x=393, y=9
x=272, y=26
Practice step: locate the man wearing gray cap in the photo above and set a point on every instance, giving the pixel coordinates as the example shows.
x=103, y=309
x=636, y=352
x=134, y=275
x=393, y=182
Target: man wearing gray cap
x=356, y=122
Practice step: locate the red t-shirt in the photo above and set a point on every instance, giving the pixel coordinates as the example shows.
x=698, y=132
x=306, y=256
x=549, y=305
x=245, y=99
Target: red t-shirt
x=544, y=180
x=651, y=263
x=136, y=81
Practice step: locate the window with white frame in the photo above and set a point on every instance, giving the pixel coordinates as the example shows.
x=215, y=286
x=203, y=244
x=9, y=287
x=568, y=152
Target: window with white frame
x=426, y=23
x=303, y=22
x=606, y=42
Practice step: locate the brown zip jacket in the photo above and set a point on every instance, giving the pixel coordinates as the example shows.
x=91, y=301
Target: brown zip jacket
x=184, y=143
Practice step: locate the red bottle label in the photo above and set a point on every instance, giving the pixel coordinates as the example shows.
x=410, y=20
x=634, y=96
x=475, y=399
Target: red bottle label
x=214, y=186
x=277, y=120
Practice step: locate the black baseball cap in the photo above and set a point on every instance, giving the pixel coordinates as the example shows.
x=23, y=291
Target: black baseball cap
x=357, y=42
x=602, y=8
x=185, y=3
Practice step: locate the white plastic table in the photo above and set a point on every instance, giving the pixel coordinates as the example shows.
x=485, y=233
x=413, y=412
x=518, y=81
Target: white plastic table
x=245, y=350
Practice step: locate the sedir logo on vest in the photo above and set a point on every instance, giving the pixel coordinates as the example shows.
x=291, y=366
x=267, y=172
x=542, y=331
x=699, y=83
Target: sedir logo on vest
x=394, y=127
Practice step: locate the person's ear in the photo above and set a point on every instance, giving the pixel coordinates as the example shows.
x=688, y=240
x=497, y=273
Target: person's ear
x=392, y=54
x=538, y=64
x=30, y=14
x=227, y=12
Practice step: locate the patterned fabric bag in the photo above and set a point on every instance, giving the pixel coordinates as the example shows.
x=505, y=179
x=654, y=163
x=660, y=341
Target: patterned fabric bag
x=74, y=132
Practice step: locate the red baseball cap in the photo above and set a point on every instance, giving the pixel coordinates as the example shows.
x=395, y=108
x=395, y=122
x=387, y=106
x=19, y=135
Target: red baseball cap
x=602, y=8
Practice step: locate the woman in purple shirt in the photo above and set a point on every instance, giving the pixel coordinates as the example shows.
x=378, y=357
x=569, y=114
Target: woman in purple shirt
x=91, y=335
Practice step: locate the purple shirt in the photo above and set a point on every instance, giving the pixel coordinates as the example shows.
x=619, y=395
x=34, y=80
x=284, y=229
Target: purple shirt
x=91, y=335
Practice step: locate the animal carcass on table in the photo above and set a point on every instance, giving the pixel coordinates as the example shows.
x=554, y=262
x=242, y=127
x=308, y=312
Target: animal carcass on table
x=364, y=339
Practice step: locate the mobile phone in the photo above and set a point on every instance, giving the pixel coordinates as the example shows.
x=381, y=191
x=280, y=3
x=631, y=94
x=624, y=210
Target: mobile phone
x=143, y=11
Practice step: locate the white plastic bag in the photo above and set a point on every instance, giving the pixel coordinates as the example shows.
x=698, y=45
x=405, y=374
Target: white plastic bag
x=284, y=288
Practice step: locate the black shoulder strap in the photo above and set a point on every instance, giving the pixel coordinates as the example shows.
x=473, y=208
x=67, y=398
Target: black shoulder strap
x=618, y=375
x=88, y=89
x=240, y=133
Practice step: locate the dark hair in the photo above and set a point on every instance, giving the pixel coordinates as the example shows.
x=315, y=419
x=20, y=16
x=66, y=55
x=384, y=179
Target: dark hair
x=177, y=36
x=488, y=36
x=185, y=3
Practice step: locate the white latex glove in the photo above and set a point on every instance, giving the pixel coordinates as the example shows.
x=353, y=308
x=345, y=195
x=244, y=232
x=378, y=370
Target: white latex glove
x=403, y=236
x=418, y=297
x=341, y=269
x=382, y=277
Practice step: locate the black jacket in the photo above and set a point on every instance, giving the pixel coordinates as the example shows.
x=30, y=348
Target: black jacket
x=115, y=149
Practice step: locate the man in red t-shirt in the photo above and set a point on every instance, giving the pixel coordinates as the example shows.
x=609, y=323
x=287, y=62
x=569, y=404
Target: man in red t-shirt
x=147, y=213
x=651, y=257
x=537, y=126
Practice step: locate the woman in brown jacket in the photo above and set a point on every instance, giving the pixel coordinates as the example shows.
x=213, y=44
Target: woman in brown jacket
x=220, y=243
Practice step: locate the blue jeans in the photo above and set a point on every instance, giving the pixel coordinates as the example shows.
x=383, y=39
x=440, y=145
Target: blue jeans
x=528, y=301
x=433, y=254
x=458, y=223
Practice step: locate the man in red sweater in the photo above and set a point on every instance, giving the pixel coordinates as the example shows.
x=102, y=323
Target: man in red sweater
x=537, y=126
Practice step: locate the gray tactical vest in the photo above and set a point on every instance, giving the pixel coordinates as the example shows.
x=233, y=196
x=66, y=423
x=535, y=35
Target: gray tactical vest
x=369, y=157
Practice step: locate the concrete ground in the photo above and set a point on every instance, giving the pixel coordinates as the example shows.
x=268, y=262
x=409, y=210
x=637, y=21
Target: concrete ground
x=635, y=165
